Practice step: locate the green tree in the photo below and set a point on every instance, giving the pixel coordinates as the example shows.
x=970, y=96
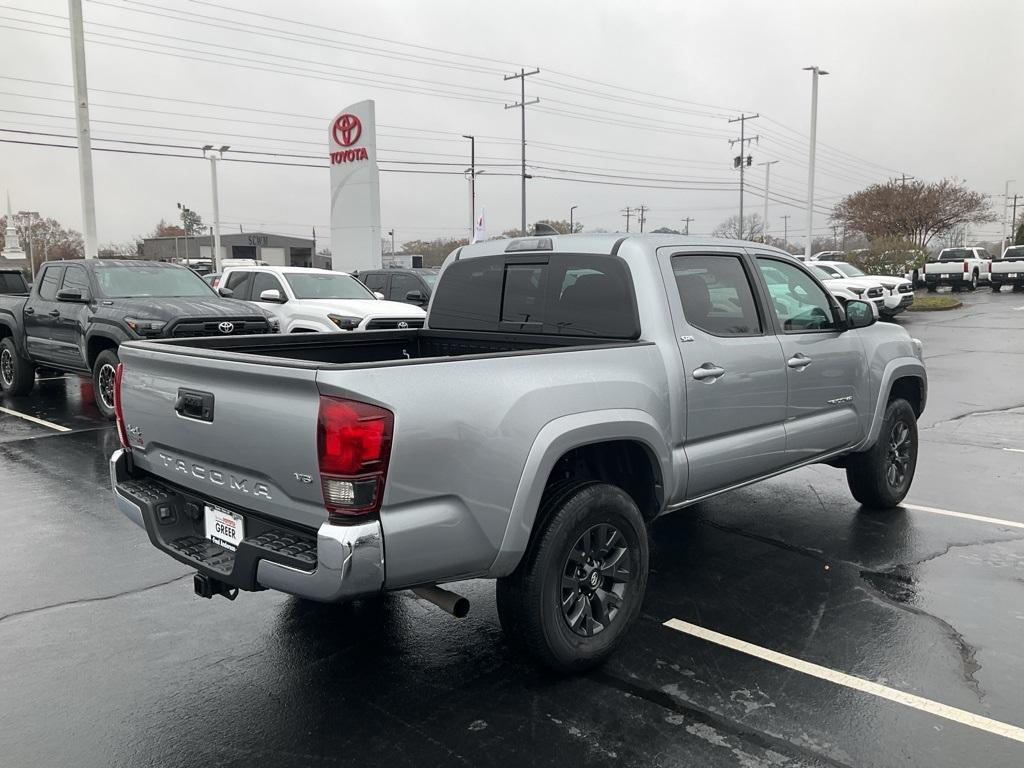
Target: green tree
x=665, y=231
x=559, y=225
x=1019, y=239
x=191, y=222
x=893, y=256
x=163, y=229
x=916, y=210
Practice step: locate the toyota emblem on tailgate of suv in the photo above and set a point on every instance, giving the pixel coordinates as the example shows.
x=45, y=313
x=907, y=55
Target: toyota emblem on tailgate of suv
x=226, y=327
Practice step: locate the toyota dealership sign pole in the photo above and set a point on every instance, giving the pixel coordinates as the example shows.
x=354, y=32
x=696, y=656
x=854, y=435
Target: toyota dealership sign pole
x=355, y=189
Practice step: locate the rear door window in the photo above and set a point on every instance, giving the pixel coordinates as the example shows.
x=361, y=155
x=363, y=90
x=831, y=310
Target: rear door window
x=240, y=283
x=716, y=294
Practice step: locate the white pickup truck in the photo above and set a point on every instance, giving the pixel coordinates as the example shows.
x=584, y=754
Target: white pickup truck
x=309, y=300
x=1008, y=270
x=959, y=268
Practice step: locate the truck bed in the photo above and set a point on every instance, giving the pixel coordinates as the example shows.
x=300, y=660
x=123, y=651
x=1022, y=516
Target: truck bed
x=335, y=350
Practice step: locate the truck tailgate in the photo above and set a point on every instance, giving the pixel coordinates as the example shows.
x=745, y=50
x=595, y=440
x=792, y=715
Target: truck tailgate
x=261, y=427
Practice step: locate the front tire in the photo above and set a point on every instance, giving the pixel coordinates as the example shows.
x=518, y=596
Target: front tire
x=17, y=374
x=581, y=583
x=880, y=477
x=103, y=372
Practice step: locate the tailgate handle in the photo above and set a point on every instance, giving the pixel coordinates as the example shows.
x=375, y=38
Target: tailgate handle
x=192, y=404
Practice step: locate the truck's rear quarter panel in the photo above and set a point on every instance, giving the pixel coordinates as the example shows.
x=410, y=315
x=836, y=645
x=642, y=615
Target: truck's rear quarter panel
x=463, y=431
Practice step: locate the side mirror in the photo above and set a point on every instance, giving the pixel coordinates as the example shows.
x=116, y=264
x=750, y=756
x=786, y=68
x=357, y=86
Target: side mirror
x=378, y=294
x=72, y=297
x=859, y=314
x=415, y=296
x=227, y=293
x=273, y=296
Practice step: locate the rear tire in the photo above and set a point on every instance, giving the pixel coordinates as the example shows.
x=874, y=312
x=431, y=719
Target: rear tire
x=581, y=583
x=103, y=373
x=17, y=374
x=932, y=289
x=996, y=288
x=974, y=281
x=880, y=477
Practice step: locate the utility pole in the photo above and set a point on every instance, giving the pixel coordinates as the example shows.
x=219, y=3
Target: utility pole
x=818, y=72
x=1006, y=202
x=767, y=171
x=903, y=179
x=628, y=213
x=213, y=155
x=785, y=229
x=641, y=217
x=1013, y=221
x=835, y=237
x=82, y=124
x=687, y=221
x=522, y=105
x=472, y=186
x=571, y=209
x=740, y=161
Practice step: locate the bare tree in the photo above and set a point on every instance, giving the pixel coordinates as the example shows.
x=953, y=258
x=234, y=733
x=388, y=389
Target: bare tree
x=916, y=211
x=753, y=226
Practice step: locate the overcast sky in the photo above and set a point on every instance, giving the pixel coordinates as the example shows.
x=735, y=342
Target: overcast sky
x=929, y=89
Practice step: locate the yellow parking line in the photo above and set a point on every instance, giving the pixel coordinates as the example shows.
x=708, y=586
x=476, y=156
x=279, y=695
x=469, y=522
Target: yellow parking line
x=34, y=420
x=911, y=700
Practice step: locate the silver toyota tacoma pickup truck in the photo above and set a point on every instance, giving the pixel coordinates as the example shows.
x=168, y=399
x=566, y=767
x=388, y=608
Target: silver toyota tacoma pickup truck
x=564, y=393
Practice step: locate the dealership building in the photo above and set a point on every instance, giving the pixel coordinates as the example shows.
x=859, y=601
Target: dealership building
x=276, y=250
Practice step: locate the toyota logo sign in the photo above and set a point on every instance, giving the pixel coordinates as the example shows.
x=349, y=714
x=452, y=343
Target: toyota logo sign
x=403, y=324
x=346, y=130
x=226, y=327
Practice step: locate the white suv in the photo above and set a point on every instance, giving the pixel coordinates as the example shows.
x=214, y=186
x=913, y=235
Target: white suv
x=897, y=292
x=308, y=300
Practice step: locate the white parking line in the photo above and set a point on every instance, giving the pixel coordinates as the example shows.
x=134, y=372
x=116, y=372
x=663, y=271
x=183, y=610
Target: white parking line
x=857, y=683
x=965, y=515
x=34, y=420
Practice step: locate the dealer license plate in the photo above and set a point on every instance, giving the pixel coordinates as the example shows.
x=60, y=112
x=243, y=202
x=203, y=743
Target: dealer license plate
x=1012, y=275
x=224, y=528
x=946, y=274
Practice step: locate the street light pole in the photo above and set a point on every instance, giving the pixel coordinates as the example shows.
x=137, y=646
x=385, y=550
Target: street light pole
x=82, y=124
x=1006, y=203
x=213, y=155
x=522, y=104
x=817, y=72
x=472, y=185
x=571, y=209
x=767, y=172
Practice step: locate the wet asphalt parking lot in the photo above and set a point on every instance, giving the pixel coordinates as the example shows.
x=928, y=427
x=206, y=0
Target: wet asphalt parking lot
x=822, y=614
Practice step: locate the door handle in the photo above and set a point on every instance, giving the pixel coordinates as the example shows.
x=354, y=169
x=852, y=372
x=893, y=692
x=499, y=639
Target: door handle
x=29, y=311
x=799, y=361
x=708, y=372
x=54, y=313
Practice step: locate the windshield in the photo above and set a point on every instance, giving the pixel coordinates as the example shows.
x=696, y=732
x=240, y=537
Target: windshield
x=430, y=279
x=955, y=254
x=1014, y=252
x=320, y=285
x=136, y=281
x=849, y=270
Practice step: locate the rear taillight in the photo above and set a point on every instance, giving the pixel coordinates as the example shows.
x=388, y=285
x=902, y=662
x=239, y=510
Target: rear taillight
x=216, y=283
x=967, y=267
x=990, y=267
x=354, y=447
x=118, y=412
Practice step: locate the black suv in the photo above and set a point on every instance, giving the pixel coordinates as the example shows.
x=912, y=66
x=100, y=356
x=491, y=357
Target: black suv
x=413, y=286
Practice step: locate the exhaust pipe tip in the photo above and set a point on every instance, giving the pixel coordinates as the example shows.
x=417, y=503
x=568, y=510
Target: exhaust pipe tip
x=449, y=602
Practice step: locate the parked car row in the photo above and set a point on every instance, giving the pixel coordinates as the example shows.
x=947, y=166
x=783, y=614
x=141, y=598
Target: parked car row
x=590, y=383
x=78, y=313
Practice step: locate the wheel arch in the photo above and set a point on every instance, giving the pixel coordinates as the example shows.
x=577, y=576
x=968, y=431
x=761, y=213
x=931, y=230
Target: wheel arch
x=98, y=343
x=902, y=377
x=621, y=446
